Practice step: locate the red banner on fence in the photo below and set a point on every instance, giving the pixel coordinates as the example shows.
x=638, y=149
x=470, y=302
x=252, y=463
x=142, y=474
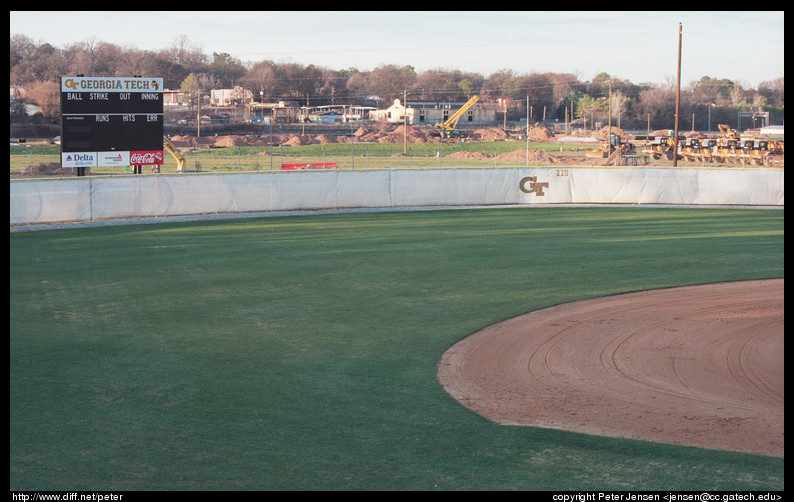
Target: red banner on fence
x=309, y=165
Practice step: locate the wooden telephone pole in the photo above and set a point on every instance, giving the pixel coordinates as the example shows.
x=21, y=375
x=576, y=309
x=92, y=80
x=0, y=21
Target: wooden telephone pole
x=677, y=101
x=405, y=121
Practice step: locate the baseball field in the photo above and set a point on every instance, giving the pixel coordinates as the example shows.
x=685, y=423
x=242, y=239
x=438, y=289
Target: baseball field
x=301, y=352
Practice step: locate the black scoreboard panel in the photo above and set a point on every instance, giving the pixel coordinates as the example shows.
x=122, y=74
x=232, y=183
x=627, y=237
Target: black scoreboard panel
x=104, y=114
x=103, y=132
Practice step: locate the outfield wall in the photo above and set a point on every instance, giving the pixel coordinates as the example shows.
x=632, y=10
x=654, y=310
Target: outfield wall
x=94, y=198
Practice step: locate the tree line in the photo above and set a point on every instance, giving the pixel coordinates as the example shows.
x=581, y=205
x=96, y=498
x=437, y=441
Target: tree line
x=37, y=67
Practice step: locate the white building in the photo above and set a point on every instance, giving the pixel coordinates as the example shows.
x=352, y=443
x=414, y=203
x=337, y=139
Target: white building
x=433, y=112
x=230, y=97
x=396, y=113
x=436, y=112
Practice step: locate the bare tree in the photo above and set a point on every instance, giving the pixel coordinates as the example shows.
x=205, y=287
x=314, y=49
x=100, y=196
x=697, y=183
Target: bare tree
x=187, y=54
x=263, y=80
x=717, y=98
x=45, y=95
x=389, y=81
x=357, y=86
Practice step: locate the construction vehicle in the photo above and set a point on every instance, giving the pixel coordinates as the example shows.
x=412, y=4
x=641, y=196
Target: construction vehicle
x=608, y=149
x=727, y=132
x=756, y=149
x=759, y=147
x=447, y=129
x=694, y=150
x=775, y=154
x=727, y=149
x=760, y=152
x=661, y=146
x=175, y=153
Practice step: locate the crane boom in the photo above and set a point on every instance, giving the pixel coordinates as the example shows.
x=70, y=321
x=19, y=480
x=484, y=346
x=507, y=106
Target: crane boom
x=176, y=153
x=450, y=123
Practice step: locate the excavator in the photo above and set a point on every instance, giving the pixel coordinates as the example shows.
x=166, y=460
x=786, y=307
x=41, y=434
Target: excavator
x=448, y=127
x=727, y=148
x=175, y=153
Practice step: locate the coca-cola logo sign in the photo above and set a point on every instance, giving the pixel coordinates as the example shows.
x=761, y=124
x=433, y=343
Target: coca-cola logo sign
x=143, y=158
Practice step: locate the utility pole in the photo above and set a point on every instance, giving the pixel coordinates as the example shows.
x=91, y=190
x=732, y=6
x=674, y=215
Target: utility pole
x=405, y=121
x=677, y=101
x=609, y=120
x=198, y=116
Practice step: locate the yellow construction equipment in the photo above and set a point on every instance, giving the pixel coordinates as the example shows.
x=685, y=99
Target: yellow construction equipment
x=661, y=146
x=757, y=148
x=694, y=150
x=727, y=132
x=608, y=148
x=448, y=127
x=760, y=152
x=176, y=153
x=727, y=148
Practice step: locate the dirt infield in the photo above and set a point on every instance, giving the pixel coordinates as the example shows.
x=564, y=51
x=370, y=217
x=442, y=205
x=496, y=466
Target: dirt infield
x=699, y=366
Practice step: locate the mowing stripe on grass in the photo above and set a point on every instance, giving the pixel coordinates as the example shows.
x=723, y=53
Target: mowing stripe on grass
x=300, y=352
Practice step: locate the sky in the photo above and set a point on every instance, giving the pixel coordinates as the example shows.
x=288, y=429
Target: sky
x=641, y=47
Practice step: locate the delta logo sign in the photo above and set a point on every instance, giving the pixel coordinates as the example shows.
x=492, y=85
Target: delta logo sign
x=79, y=159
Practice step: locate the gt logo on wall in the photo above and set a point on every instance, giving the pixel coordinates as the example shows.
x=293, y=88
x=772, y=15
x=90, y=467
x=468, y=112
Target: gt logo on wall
x=534, y=186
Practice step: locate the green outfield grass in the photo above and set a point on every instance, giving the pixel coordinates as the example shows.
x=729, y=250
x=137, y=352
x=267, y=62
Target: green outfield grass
x=300, y=352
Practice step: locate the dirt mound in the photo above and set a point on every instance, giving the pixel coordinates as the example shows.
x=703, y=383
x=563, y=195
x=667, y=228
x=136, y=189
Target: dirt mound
x=298, y=141
x=386, y=135
x=47, y=169
x=363, y=131
x=183, y=141
x=535, y=157
x=412, y=134
x=469, y=155
x=194, y=142
x=604, y=132
x=228, y=141
x=324, y=139
x=364, y=135
x=536, y=133
x=375, y=131
x=489, y=134
x=517, y=156
x=540, y=134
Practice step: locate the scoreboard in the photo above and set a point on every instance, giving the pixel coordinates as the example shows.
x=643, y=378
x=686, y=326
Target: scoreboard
x=111, y=121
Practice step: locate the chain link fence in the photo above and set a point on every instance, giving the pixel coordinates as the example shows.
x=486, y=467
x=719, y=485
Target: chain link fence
x=45, y=161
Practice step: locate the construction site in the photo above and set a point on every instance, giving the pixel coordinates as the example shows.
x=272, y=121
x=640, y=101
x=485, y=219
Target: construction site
x=608, y=146
x=265, y=147
x=613, y=146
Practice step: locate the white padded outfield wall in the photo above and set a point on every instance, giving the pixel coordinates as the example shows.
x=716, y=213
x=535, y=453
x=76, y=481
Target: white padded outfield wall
x=96, y=198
